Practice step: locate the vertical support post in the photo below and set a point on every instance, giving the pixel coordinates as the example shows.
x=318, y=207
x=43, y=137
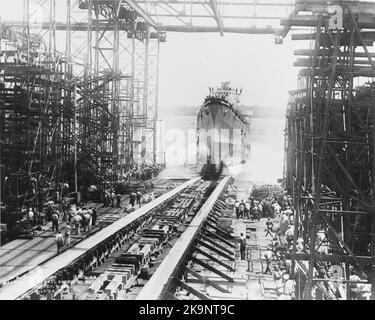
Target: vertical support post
x=27, y=33
x=132, y=99
x=145, y=98
x=156, y=115
x=319, y=171
x=68, y=45
x=116, y=93
x=86, y=76
x=52, y=28
x=372, y=246
x=75, y=138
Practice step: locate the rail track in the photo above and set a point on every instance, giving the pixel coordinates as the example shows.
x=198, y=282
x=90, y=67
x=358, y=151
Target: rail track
x=125, y=259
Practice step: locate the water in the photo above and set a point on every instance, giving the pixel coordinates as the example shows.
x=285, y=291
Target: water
x=265, y=164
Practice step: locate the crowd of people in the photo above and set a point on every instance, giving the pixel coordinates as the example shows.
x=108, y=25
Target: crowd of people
x=279, y=214
x=280, y=228
x=254, y=209
x=77, y=218
x=145, y=171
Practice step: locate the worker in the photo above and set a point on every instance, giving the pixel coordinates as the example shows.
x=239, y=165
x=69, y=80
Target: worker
x=77, y=222
x=269, y=225
x=49, y=211
x=59, y=241
x=139, y=196
x=55, y=221
x=113, y=198
x=66, y=189
x=299, y=245
x=242, y=246
x=289, y=233
x=284, y=223
x=86, y=220
x=132, y=199
x=30, y=216
x=237, y=208
x=37, y=217
x=276, y=209
x=247, y=210
x=118, y=199
x=268, y=256
x=241, y=209
x=67, y=235
x=70, y=214
x=256, y=214
x=106, y=199
x=94, y=216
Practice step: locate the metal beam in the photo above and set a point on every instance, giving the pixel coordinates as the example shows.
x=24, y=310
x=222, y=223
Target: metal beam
x=213, y=5
x=132, y=4
x=319, y=285
x=333, y=258
x=244, y=30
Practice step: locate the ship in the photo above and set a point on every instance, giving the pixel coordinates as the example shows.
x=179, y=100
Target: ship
x=223, y=131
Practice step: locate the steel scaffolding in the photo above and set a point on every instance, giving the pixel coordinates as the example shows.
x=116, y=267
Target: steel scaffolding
x=330, y=145
x=83, y=115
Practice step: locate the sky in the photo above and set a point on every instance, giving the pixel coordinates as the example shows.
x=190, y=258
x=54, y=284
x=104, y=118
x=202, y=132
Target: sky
x=190, y=63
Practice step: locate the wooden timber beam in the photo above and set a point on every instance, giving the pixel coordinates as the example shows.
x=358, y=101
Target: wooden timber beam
x=212, y=269
x=216, y=250
x=214, y=235
x=195, y=292
x=218, y=229
x=212, y=258
x=205, y=280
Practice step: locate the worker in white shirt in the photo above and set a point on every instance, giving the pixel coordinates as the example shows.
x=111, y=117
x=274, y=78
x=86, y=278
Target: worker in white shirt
x=67, y=235
x=247, y=210
x=30, y=216
x=59, y=241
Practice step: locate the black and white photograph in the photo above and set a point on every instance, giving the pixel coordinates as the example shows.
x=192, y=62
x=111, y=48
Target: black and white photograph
x=200, y=152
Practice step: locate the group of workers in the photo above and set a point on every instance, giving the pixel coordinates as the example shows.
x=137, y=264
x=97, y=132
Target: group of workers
x=111, y=199
x=279, y=225
x=143, y=172
x=77, y=217
x=248, y=210
x=255, y=209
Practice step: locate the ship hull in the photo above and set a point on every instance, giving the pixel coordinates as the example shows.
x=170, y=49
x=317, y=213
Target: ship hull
x=222, y=136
